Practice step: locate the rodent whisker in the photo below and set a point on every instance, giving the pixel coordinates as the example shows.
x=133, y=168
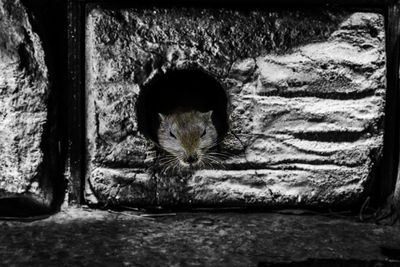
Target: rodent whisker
x=212, y=159
x=210, y=163
x=175, y=166
x=220, y=154
x=167, y=155
x=170, y=165
x=167, y=160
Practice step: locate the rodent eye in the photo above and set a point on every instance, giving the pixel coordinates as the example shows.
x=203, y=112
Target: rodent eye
x=204, y=133
x=172, y=135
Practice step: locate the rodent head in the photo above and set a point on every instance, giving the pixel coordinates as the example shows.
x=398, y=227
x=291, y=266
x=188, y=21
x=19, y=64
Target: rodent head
x=187, y=136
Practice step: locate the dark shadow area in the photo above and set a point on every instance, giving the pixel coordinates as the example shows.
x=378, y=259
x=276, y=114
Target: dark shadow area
x=200, y=239
x=332, y=263
x=48, y=20
x=190, y=89
x=22, y=206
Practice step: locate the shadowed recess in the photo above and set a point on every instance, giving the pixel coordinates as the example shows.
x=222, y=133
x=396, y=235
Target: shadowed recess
x=190, y=89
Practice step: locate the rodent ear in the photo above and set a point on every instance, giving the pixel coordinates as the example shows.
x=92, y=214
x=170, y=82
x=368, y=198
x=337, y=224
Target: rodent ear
x=207, y=115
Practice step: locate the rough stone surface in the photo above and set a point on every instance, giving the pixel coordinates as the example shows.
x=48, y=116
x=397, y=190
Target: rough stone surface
x=23, y=94
x=306, y=93
x=100, y=238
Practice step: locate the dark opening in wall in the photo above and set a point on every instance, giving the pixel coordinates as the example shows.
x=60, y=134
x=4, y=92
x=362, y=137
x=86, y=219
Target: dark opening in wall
x=190, y=89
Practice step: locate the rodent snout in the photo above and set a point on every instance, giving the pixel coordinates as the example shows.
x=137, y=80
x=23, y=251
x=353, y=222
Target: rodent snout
x=191, y=159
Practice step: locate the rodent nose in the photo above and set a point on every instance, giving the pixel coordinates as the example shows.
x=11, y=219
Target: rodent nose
x=191, y=159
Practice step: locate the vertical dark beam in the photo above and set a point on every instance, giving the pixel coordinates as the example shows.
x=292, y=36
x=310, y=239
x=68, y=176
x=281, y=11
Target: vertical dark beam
x=75, y=101
x=394, y=27
x=49, y=21
x=390, y=162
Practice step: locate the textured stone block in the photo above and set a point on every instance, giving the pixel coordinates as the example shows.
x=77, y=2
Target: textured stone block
x=24, y=89
x=306, y=93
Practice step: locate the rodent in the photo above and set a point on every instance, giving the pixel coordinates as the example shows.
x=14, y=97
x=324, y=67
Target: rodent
x=188, y=136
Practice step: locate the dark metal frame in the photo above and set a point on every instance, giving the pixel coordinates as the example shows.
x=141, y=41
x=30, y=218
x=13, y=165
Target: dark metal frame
x=388, y=170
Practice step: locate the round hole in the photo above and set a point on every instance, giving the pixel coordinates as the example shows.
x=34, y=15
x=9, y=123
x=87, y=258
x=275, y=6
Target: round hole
x=190, y=89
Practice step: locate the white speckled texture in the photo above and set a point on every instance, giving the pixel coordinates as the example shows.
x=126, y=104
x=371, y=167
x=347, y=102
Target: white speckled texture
x=24, y=89
x=306, y=94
